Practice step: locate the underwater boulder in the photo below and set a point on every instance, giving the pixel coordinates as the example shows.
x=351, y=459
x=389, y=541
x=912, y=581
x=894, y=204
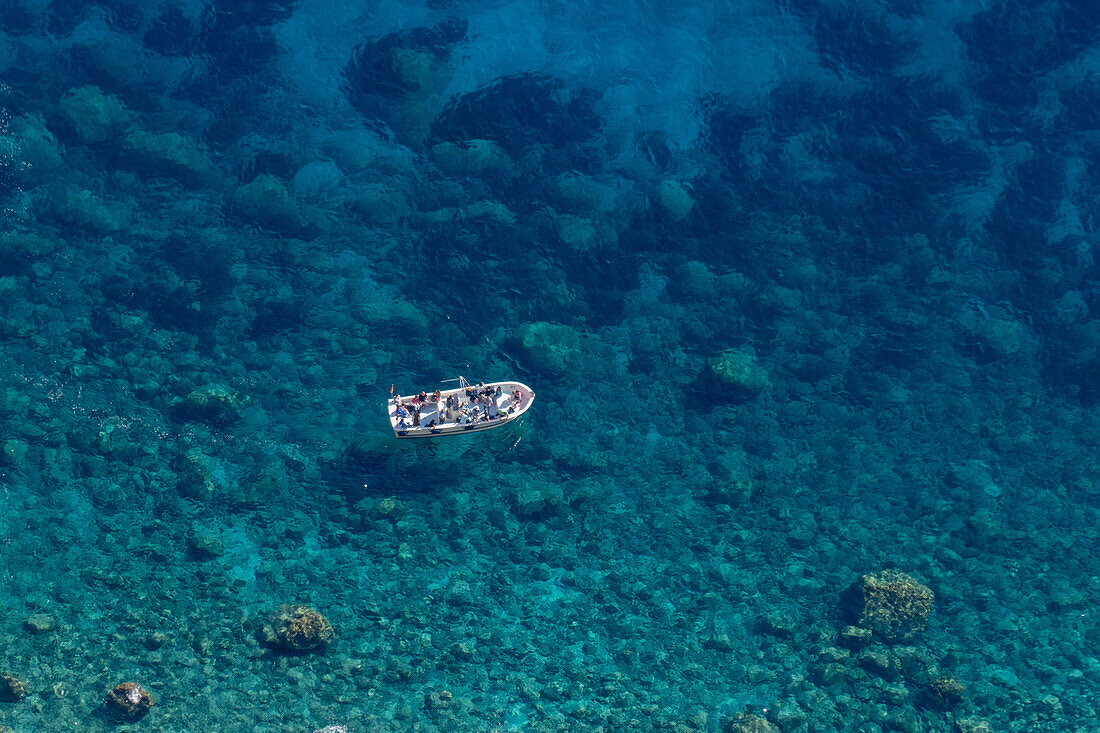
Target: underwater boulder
x=674, y=199
x=215, y=403
x=993, y=335
x=577, y=232
x=550, y=347
x=380, y=205
x=266, y=202
x=166, y=154
x=521, y=113
x=735, y=375
x=82, y=208
x=944, y=693
x=297, y=628
x=12, y=689
x=392, y=66
x=749, y=723
x=128, y=701
x=892, y=604
x=27, y=142
x=472, y=157
x=93, y=115
x=319, y=181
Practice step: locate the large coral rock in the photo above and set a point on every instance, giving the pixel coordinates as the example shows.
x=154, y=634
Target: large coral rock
x=892, y=604
x=297, y=628
x=129, y=701
x=94, y=116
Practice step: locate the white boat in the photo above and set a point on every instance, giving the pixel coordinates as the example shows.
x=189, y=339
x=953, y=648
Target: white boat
x=466, y=408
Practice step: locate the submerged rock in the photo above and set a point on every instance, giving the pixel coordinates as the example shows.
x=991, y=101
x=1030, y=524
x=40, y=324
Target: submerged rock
x=265, y=201
x=297, y=628
x=167, y=154
x=890, y=603
x=472, y=157
x=735, y=374
x=675, y=199
x=82, y=208
x=129, y=700
x=749, y=723
x=944, y=693
x=215, y=403
x=12, y=689
x=40, y=623
x=95, y=116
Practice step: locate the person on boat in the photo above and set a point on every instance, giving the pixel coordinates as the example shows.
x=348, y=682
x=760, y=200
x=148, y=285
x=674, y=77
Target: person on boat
x=402, y=426
x=401, y=411
x=422, y=397
x=416, y=417
x=437, y=396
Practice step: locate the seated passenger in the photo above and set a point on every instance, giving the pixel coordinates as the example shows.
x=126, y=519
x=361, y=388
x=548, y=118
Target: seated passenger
x=402, y=426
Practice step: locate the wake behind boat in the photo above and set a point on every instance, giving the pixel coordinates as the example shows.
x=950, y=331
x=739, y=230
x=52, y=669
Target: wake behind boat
x=463, y=409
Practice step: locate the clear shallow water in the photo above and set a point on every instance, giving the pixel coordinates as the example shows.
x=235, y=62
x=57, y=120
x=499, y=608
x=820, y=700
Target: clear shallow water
x=832, y=264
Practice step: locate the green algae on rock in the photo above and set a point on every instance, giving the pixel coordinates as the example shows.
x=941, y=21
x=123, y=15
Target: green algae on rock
x=893, y=605
x=297, y=628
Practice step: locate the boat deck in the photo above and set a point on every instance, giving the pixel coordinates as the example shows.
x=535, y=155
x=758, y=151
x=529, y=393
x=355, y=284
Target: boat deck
x=467, y=416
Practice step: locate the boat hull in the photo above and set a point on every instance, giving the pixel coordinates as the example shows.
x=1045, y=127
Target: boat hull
x=472, y=420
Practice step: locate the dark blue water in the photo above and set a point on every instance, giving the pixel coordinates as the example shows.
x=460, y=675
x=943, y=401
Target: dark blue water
x=807, y=291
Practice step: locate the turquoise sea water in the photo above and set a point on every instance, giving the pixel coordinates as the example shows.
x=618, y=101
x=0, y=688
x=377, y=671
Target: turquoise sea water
x=807, y=291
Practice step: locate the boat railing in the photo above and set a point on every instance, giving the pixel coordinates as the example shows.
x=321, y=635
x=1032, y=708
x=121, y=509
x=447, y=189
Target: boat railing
x=462, y=383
